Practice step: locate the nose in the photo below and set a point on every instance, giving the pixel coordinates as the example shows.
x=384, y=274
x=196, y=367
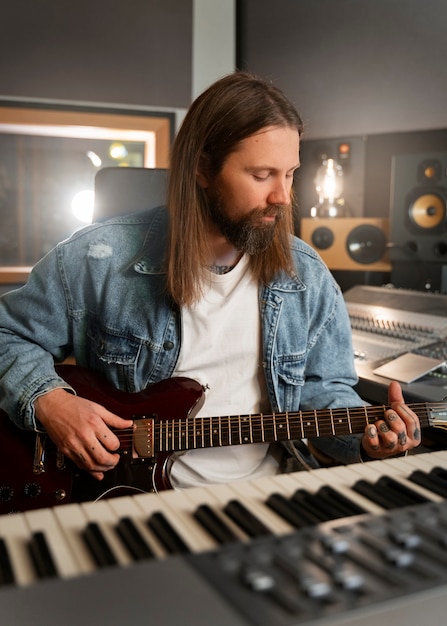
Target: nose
x=280, y=191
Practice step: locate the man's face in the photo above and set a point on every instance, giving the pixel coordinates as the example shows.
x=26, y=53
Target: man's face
x=252, y=190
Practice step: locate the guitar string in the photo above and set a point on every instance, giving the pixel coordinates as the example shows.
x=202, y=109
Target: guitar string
x=205, y=427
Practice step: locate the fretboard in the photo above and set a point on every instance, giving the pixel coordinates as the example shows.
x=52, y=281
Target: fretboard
x=209, y=432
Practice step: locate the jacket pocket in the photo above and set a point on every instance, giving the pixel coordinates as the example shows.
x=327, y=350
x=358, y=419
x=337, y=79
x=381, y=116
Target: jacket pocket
x=290, y=370
x=114, y=354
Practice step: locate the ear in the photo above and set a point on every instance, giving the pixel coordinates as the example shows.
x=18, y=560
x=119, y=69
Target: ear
x=202, y=176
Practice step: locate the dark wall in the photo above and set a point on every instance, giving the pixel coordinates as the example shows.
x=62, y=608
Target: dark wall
x=352, y=67
x=135, y=52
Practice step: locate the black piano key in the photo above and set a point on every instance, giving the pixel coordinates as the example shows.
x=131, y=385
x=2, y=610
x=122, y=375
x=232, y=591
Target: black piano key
x=133, y=539
x=41, y=556
x=166, y=534
x=245, y=519
x=403, y=494
x=212, y=523
x=289, y=511
x=388, y=493
x=370, y=491
x=342, y=505
x=313, y=506
x=6, y=572
x=430, y=481
x=98, y=545
x=440, y=473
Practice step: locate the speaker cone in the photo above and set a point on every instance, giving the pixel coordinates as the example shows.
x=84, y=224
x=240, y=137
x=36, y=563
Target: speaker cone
x=366, y=244
x=322, y=238
x=427, y=211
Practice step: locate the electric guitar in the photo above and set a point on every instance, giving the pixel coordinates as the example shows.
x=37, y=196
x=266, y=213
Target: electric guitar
x=34, y=474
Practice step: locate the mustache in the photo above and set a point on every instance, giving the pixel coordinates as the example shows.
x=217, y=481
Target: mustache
x=272, y=210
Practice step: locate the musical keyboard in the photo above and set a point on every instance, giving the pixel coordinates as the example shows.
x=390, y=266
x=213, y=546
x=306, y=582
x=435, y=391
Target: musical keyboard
x=170, y=537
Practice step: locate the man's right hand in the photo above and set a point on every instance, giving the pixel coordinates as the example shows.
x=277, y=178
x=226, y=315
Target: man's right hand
x=81, y=429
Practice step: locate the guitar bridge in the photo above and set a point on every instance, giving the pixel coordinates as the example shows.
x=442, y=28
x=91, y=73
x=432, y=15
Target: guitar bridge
x=143, y=440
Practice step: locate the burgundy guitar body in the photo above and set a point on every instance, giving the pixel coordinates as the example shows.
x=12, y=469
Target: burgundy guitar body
x=33, y=474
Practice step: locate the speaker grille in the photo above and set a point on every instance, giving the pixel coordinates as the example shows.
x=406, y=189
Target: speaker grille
x=366, y=244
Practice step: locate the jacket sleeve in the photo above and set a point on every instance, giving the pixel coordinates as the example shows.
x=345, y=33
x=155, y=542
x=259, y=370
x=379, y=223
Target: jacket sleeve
x=34, y=333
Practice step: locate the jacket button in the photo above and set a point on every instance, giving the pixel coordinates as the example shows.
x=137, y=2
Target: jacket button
x=168, y=345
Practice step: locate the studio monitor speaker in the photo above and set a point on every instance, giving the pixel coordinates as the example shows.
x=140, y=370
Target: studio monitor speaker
x=349, y=243
x=418, y=208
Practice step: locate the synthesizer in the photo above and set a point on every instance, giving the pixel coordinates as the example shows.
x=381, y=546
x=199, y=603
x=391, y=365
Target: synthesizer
x=387, y=323
x=345, y=545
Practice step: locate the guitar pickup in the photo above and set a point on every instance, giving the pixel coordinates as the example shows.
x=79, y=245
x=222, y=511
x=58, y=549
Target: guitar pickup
x=143, y=439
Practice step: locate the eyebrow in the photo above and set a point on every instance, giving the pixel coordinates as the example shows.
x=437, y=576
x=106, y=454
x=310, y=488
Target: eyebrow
x=260, y=168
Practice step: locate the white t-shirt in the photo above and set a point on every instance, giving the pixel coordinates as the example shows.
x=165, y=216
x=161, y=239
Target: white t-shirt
x=221, y=348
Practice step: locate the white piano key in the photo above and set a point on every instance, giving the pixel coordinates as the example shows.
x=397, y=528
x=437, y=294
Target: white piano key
x=103, y=514
x=15, y=530
x=178, y=510
x=67, y=564
x=252, y=498
x=73, y=521
x=213, y=497
x=127, y=506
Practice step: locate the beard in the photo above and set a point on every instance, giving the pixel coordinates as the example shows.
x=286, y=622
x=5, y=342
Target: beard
x=249, y=233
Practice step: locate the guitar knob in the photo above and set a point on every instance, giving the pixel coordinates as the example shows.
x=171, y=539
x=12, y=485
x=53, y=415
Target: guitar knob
x=32, y=490
x=6, y=493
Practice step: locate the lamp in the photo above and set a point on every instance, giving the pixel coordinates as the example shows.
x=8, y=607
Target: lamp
x=329, y=187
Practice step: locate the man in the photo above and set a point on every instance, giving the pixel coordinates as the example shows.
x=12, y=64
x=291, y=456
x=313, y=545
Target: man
x=214, y=288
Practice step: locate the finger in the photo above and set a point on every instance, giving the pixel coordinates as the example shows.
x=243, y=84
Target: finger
x=94, y=458
x=409, y=417
x=387, y=437
x=114, y=421
x=98, y=475
x=370, y=440
x=395, y=395
x=105, y=435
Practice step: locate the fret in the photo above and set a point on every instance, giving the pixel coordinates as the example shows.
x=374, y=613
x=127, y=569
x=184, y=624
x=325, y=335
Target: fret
x=281, y=427
x=359, y=418
x=235, y=432
x=295, y=425
x=317, y=427
x=245, y=429
x=332, y=425
x=191, y=434
x=251, y=428
x=203, y=439
x=168, y=438
x=206, y=433
x=325, y=425
x=215, y=432
x=225, y=439
x=341, y=423
x=181, y=435
x=348, y=415
x=269, y=431
x=309, y=425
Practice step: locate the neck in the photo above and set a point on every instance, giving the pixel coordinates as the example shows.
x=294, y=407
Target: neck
x=222, y=251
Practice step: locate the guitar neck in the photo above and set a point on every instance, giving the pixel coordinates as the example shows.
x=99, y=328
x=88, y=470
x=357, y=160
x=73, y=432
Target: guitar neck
x=208, y=432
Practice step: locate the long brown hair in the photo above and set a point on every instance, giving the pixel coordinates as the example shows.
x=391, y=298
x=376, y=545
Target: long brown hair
x=232, y=109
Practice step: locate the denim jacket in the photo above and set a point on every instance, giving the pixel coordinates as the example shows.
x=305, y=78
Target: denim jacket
x=100, y=296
